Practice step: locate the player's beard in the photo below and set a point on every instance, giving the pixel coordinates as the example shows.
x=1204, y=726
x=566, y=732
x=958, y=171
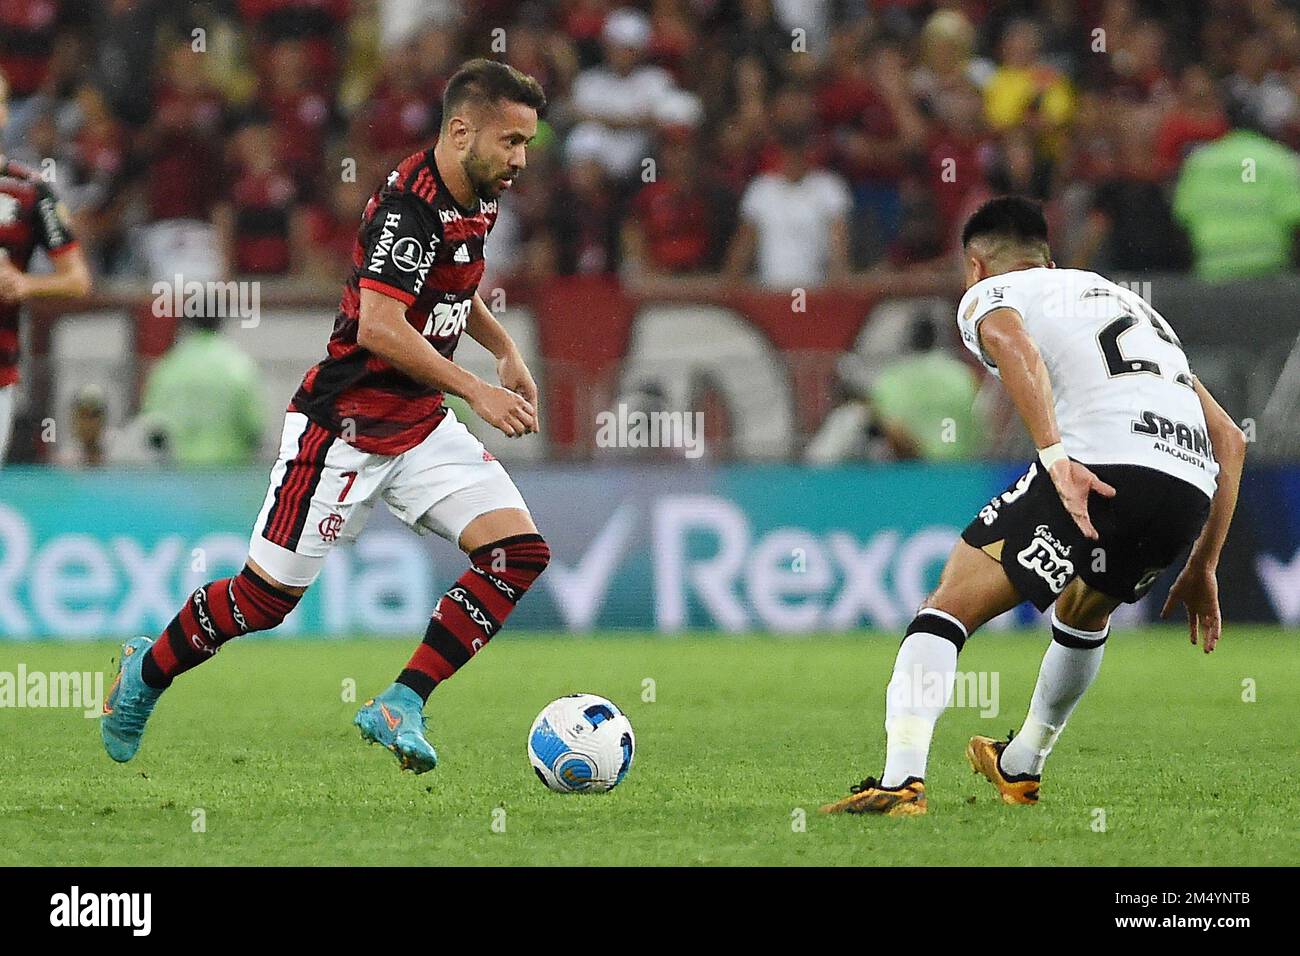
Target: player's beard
x=485, y=180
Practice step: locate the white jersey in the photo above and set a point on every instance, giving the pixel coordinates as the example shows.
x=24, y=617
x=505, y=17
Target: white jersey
x=1120, y=380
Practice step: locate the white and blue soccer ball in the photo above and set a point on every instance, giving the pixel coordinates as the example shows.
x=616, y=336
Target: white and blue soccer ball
x=581, y=744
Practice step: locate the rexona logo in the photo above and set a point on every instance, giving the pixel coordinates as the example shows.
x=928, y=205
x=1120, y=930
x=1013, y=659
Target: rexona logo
x=130, y=910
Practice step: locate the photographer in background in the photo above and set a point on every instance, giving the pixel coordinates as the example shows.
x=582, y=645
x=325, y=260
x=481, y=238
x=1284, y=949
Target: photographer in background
x=920, y=405
x=205, y=393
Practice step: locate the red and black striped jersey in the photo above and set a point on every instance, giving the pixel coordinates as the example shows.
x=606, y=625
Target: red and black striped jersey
x=416, y=244
x=30, y=218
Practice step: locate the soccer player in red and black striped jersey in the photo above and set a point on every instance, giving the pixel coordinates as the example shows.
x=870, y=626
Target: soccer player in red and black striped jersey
x=369, y=424
x=30, y=218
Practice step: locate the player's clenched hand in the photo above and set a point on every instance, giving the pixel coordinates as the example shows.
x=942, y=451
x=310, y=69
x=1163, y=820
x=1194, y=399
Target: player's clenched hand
x=1074, y=482
x=1197, y=589
x=504, y=410
x=515, y=376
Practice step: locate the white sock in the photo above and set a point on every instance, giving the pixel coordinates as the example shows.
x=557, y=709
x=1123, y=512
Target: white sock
x=1069, y=667
x=924, y=673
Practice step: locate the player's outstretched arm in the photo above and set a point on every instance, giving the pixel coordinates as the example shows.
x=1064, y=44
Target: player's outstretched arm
x=1197, y=587
x=70, y=278
x=512, y=371
x=1024, y=375
x=383, y=330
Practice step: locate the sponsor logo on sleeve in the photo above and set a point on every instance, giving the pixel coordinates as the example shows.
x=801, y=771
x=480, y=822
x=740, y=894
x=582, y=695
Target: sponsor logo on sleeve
x=406, y=254
x=384, y=244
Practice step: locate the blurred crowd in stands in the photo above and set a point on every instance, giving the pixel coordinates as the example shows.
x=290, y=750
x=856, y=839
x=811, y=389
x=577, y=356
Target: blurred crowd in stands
x=794, y=142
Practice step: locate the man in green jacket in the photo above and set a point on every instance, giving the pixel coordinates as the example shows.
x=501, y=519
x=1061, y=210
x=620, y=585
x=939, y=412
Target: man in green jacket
x=206, y=394
x=1239, y=199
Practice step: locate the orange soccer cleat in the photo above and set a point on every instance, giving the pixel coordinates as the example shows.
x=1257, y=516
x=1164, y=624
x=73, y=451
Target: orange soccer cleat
x=870, y=797
x=983, y=754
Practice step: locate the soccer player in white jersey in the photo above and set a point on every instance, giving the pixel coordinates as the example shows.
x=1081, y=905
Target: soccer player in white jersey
x=1136, y=461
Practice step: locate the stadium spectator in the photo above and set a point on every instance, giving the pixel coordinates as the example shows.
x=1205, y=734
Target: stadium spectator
x=184, y=172
x=331, y=227
x=400, y=20
x=399, y=116
x=205, y=393
x=920, y=405
x=758, y=39
x=892, y=95
x=537, y=50
x=743, y=131
x=958, y=151
x=95, y=166
x=876, y=129
x=1239, y=199
x=1136, y=65
x=680, y=222
x=583, y=235
x=88, y=447
x=793, y=223
x=1197, y=117
x=180, y=152
x=29, y=30
x=673, y=36
x=1026, y=92
x=318, y=23
x=126, y=36
x=614, y=103
x=1257, y=88
x=301, y=113
x=583, y=21
x=1130, y=226
x=260, y=229
x=96, y=444
x=947, y=57
x=924, y=402
x=437, y=58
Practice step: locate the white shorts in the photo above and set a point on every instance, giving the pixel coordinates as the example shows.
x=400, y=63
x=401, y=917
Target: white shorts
x=8, y=399
x=323, y=490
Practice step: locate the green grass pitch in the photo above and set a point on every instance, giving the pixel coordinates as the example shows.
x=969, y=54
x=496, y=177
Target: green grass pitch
x=1164, y=763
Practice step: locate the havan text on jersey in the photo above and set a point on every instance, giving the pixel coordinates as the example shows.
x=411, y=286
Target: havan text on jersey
x=416, y=245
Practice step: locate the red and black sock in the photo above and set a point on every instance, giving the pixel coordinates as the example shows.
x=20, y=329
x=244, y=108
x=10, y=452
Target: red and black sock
x=474, y=608
x=212, y=615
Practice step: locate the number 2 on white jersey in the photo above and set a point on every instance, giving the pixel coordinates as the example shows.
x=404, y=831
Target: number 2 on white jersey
x=1117, y=363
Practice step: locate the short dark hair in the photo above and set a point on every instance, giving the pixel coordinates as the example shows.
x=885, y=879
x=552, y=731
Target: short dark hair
x=1010, y=218
x=487, y=82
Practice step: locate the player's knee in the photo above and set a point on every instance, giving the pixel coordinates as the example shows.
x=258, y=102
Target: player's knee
x=259, y=605
x=516, y=560
x=1083, y=608
x=543, y=553
x=948, y=602
x=939, y=623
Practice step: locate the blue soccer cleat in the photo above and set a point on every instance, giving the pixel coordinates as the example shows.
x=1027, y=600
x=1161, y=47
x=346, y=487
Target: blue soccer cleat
x=128, y=704
x=396, y=719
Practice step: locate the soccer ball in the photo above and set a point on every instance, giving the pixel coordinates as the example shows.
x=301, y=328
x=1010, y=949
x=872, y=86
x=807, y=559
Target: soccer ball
x=581, y=744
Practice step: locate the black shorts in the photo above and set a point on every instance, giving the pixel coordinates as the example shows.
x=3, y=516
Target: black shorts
x=1143, y=530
